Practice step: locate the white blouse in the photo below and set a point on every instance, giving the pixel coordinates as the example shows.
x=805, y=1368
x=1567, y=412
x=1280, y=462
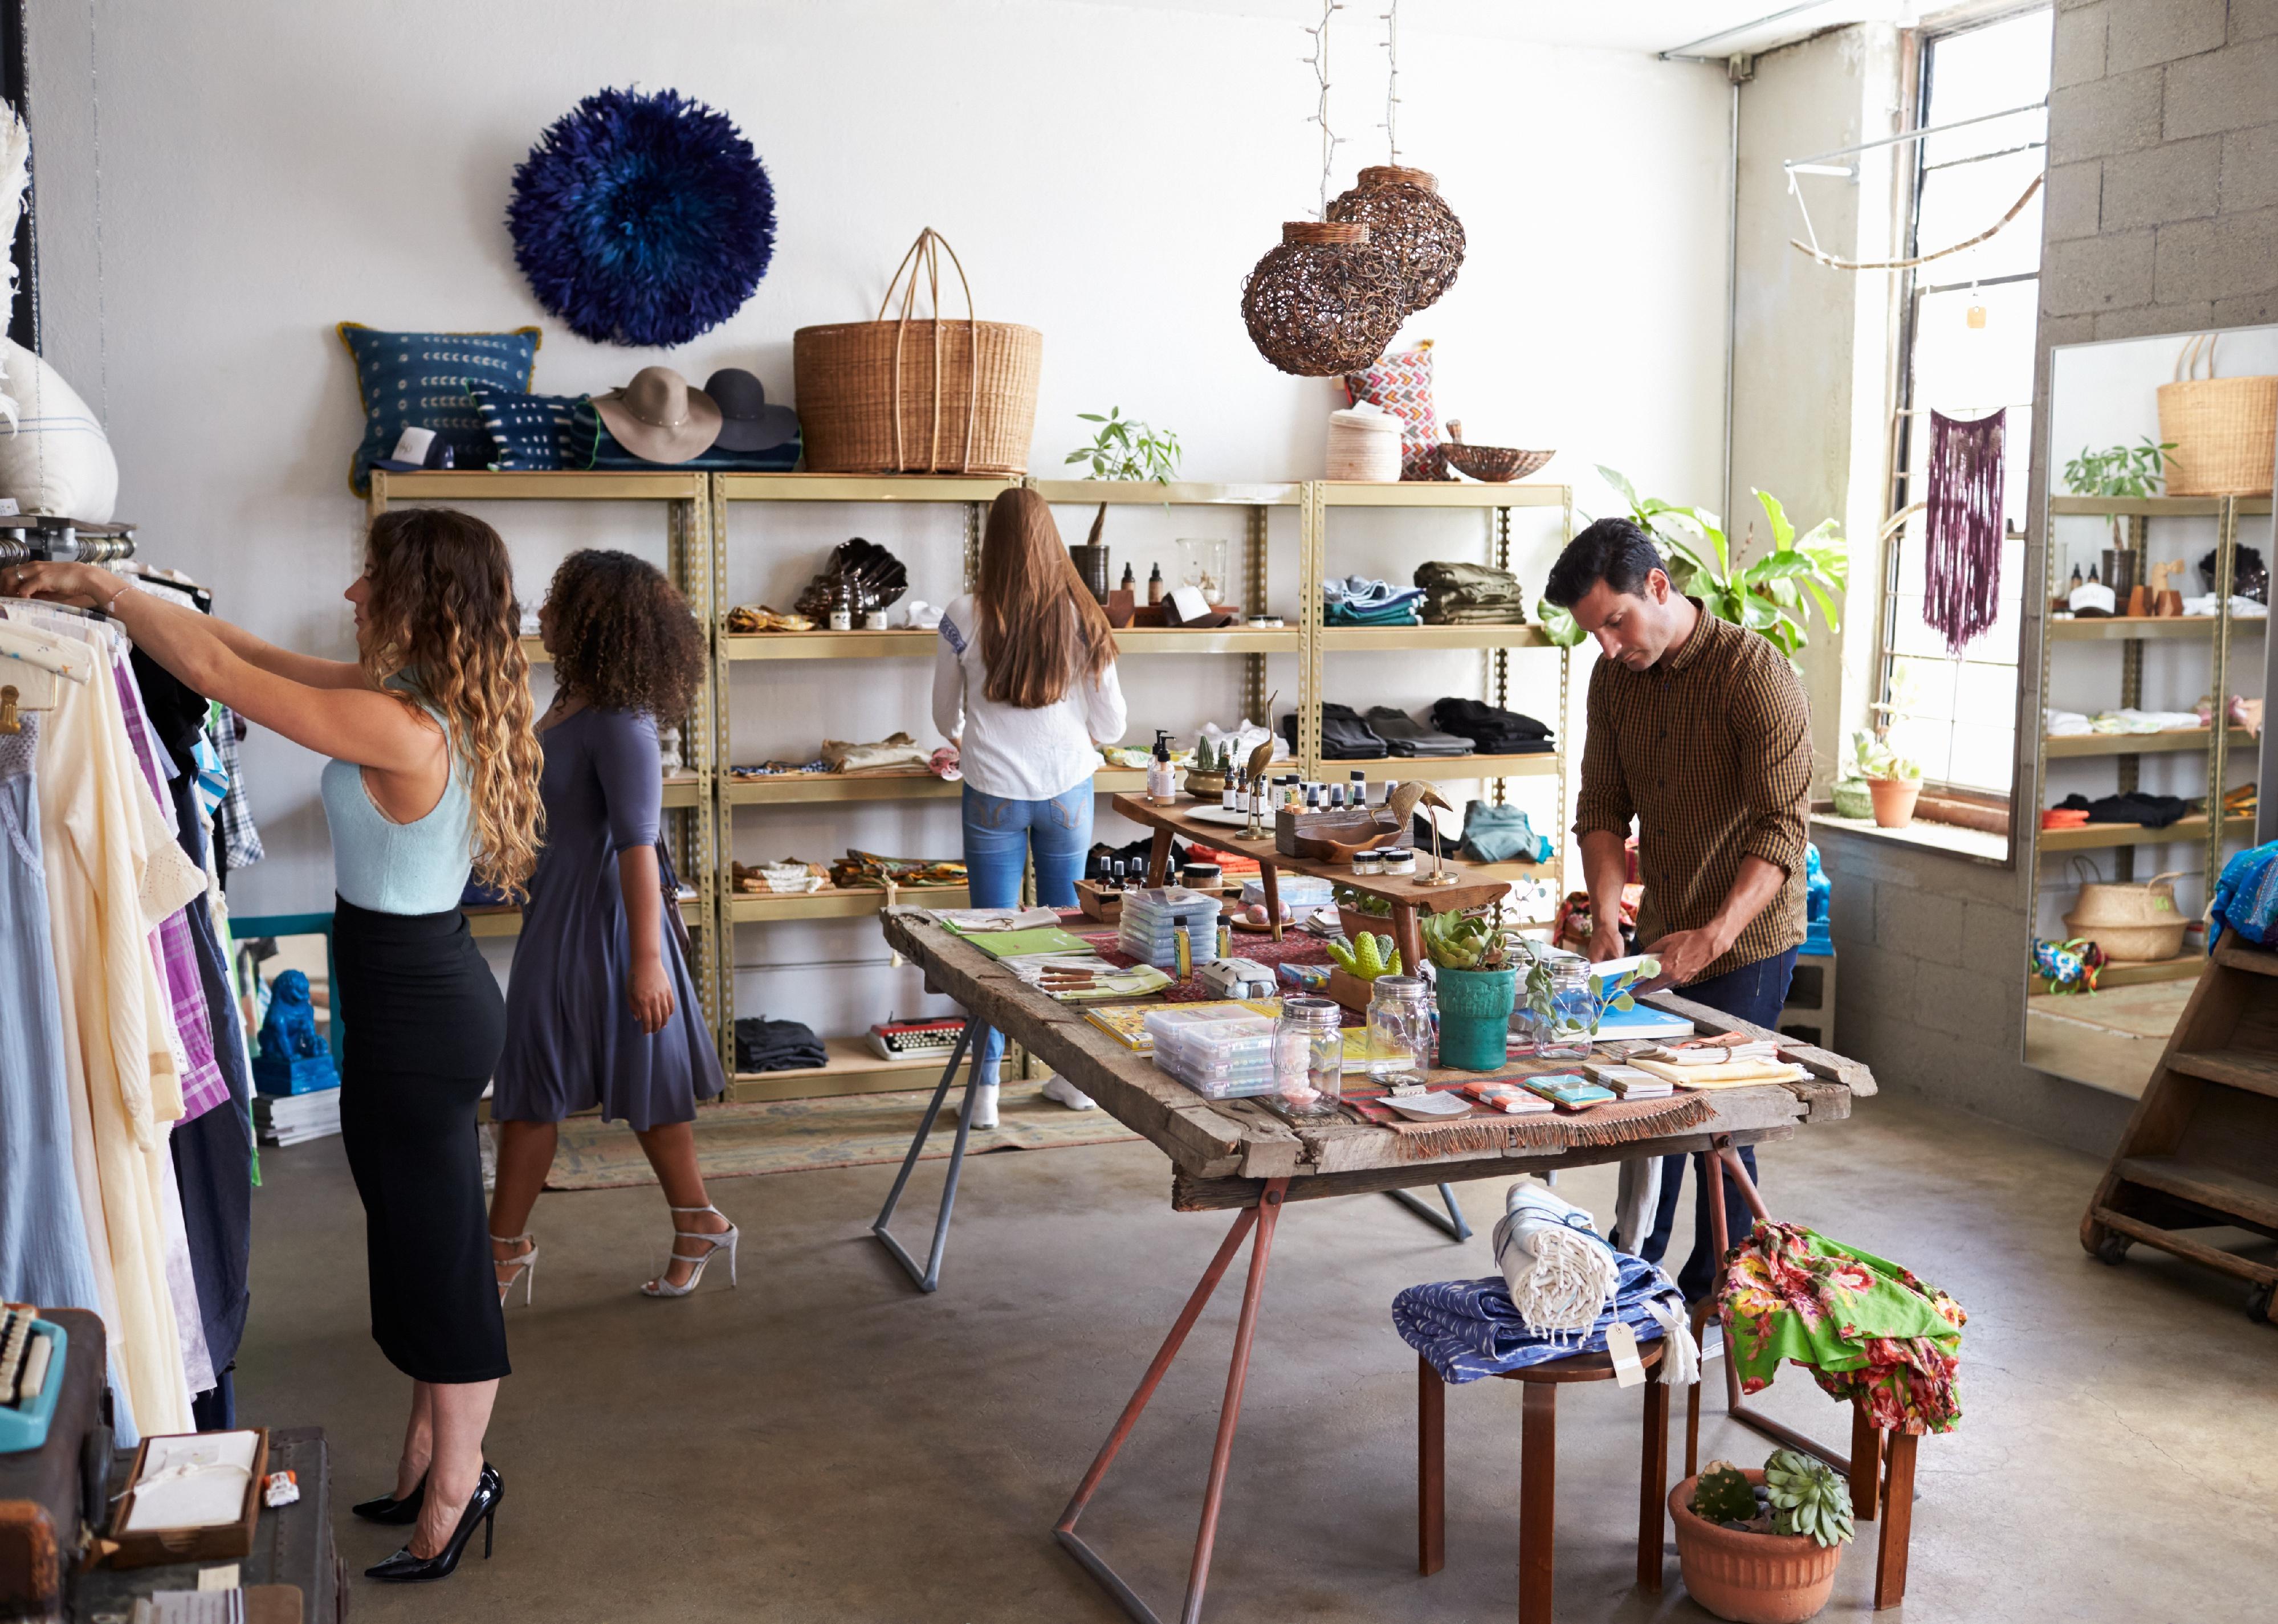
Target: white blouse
x=1015, y=754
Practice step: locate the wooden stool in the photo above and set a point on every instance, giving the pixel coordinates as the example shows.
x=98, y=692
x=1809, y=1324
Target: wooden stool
x=1537, y=1471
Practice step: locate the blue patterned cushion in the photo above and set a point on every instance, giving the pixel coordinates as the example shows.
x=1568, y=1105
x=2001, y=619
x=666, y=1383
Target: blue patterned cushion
x=536, y=432
x=775, y=459
x=421, y=379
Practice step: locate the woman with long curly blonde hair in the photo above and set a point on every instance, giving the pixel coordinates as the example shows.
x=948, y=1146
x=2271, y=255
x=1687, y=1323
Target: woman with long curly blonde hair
x=434, y=775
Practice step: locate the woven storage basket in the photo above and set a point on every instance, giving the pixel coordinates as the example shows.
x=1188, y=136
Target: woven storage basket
x=1364, y=446
x=2148, y=901
x=2225, y=429
x=2129, y=944
x=918, y=395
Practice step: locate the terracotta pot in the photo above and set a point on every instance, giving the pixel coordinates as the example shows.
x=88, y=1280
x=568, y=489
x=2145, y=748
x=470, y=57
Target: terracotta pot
x=1750, y=1578
x=1894, y=800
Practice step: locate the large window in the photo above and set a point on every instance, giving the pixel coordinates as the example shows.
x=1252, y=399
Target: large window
x=1967, y=330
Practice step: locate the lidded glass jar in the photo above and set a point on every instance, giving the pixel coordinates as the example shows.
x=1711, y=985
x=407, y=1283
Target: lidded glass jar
x=1564, y=1024
x=1399, y=1028
x=1308, y=1057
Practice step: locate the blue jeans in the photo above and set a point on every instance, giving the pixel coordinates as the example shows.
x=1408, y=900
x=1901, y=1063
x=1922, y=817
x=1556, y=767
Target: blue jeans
x=1754, y=993
x=999, y=837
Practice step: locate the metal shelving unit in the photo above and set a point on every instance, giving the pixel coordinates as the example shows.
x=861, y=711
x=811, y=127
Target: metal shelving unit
x=691, y=562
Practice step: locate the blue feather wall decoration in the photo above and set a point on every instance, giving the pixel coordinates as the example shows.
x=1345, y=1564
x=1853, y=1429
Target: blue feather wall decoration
x=642, y=219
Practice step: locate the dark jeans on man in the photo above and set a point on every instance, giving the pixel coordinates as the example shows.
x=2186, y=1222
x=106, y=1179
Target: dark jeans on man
x=1754, y=993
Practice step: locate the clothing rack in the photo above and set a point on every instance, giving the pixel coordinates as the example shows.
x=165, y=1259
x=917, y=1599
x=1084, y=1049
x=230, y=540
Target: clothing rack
x=39, y=539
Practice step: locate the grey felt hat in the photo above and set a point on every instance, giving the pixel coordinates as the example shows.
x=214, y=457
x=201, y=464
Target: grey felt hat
x=748, y=422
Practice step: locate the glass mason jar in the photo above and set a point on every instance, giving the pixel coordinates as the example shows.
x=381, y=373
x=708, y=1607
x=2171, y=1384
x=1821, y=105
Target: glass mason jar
x=1308, y=1057
x=1202, y=564
x=1399, y=1028
x=1564, y=1031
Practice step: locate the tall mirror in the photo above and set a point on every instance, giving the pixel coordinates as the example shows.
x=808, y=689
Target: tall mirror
x=2151, y=742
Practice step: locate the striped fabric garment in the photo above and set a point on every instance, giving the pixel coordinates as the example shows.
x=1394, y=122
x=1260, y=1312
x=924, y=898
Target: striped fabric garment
x=1710, y=751
x=1470, y=1329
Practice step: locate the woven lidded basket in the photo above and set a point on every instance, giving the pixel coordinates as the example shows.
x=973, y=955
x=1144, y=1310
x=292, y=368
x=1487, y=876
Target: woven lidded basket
x=918, y=395
x=2224, y=430
x=2144, y=903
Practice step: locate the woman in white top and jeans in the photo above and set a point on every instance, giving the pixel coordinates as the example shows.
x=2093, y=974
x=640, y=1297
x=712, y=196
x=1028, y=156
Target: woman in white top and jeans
x=1024, y=684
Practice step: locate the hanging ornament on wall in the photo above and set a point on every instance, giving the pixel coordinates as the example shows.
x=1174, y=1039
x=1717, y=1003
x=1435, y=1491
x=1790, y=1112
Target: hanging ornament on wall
x=1402, y=207
x=1328, y=301
x=642, y=219
x=1406, y=215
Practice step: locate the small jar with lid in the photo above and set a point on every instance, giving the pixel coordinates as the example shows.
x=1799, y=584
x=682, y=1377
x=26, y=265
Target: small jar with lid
x=1309, y=1058
x=1399, y=860
x=1399, y=1029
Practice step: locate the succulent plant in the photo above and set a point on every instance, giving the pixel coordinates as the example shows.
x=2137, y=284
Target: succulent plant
x=1808, y=1497
x=1722, y=1495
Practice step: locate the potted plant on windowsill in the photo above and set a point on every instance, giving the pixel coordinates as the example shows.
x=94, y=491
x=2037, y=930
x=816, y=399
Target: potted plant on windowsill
x=1763, y=1547
x=1892, y=780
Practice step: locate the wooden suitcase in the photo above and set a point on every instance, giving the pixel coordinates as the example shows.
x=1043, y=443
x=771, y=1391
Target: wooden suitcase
x=51, y=1496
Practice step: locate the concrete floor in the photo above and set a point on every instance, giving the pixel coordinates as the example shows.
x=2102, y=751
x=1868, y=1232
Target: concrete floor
x=825, y=1445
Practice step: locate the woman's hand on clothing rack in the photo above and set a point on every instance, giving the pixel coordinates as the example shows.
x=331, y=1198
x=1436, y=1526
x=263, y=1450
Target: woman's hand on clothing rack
x=81, y=586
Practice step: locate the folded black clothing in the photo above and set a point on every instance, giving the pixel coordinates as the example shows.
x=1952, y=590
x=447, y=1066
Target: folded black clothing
x=1344, y=736
x=764, y=1045
x=1494, y=731
x=2153, y=812
x=1404, y=736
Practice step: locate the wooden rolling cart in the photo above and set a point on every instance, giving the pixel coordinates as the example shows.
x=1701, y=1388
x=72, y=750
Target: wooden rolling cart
x=1495, y=642
x=688, y=792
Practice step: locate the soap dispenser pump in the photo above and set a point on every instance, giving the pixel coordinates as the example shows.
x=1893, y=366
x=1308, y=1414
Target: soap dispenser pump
x=1162, y=785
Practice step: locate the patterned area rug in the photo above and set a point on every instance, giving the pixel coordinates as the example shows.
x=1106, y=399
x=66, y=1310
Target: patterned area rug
x=789, y=1136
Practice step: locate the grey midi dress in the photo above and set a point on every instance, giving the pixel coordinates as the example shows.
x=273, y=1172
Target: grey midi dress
x=571, y=1040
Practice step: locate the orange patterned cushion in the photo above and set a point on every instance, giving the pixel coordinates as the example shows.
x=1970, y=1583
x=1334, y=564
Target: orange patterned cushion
x=1401, y=383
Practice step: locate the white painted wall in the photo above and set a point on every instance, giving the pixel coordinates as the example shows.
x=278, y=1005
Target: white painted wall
x=1108, y=173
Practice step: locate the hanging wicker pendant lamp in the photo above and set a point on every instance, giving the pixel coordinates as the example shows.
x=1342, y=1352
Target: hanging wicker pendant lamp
x=1407, y=217
x=1325, y=301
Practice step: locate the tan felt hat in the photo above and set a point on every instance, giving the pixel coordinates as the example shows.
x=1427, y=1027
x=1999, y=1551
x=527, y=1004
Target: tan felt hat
x=658, y=417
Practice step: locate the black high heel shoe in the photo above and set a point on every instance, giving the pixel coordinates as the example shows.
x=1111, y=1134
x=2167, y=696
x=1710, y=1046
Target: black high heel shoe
x=482, y=1506
x=388, y=1509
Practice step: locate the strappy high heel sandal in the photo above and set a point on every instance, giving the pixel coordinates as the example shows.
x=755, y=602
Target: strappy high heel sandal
x=525, y=1265
x=662, y=1287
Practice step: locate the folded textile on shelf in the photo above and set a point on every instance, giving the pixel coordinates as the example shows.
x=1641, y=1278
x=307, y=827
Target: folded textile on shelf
x=1344, y=736
x=915, y=614
x=1359, y=600
x=1493, y=834
x=897, y=753
x=2063, y=818
x=764, y=1045
x=866, y=870
x=746, y=619
x=776, y=769
x=1392, y=615
x=1467, y=1330
x=2241, y=712
x=1404, y=736
x=1496, y=732
x=790, y=876
x=2153, y=812
x=2133, y=720
x=1866, y=1329
x=2065, y=724
x=1460, y=594
x=2241, y=609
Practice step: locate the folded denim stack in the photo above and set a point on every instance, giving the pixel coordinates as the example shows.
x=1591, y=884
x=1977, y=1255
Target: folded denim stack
x=1495, y=732
x=1360, y=602
x=1344, y=736
x=1470, y=595
x=1404, y=736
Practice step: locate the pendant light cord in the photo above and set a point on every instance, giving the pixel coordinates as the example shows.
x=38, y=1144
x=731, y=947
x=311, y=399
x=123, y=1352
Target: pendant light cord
x=102, y=313
x=1319, y=63
x=1391, y=19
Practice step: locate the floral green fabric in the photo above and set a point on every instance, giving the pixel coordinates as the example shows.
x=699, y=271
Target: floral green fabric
x=1866, y=1329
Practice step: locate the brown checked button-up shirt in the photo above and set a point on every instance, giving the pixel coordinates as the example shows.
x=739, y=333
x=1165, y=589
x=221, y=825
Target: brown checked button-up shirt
x=1710, y=751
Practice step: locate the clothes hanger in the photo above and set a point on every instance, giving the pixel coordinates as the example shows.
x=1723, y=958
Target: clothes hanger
x=33, y=664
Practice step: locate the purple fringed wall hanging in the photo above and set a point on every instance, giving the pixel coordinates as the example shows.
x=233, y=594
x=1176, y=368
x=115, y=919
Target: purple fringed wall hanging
x=1961, y=586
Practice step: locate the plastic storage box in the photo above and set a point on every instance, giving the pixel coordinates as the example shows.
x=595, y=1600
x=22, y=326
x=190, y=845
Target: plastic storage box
x=1297, y=892
x=1221, y=1053
x=1152, y=917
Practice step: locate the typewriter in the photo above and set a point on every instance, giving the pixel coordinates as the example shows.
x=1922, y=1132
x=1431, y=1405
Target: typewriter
x=916, y=1040
x=31, y=1374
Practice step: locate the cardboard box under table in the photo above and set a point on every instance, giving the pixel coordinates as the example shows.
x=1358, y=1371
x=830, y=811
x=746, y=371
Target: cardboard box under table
x=1237, y=1156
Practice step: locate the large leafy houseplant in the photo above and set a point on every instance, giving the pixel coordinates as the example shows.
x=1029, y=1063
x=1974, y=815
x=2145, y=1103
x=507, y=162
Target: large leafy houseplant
x=1126, y=449
x=1773, y=594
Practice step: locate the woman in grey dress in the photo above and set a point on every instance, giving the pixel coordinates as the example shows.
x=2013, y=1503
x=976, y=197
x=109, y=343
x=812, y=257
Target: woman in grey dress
x=601, y=1009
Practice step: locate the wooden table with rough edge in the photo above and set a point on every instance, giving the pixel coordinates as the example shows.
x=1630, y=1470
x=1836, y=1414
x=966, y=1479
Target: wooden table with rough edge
x=1236, y=1155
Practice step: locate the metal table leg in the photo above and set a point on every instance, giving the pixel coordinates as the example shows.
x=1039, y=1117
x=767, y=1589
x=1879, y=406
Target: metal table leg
x=1452, y=1221
x=928, y=1278
x=1262, y=1218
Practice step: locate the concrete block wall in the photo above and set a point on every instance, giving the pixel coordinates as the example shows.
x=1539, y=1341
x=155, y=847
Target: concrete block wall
x=2163, y=169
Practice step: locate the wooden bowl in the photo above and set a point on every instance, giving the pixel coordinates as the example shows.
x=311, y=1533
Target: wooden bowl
x=1494, y=464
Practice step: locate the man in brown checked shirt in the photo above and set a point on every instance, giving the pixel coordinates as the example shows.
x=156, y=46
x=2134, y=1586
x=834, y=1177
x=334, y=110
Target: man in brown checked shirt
x=1699, y=731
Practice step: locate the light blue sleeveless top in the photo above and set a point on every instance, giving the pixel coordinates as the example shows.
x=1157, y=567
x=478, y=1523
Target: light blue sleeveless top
x=409, y=869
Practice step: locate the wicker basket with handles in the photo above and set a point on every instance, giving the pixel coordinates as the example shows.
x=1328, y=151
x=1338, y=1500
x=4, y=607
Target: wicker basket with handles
x=917, y=395
x=2224, y=430
x=2132, y=922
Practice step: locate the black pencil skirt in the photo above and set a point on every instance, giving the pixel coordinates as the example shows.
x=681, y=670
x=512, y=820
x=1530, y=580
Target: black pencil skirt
x=424, y=1025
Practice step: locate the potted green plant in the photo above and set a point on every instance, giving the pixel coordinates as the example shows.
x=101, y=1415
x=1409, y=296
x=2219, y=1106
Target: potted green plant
x=1763, y=1547
x=1124, y=449
x=1208, y=775
x=1479, y=986
x=1893, y=780
x=2137, y=470
x=1774, y=594
x=1567, y=997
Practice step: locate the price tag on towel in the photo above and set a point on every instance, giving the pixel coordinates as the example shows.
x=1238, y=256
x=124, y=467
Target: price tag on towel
x=1621, y=1342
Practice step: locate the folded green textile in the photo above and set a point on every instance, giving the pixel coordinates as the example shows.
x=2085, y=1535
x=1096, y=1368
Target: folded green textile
x=1439, y=613
x=1866, y=1329
x=1338, y=614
